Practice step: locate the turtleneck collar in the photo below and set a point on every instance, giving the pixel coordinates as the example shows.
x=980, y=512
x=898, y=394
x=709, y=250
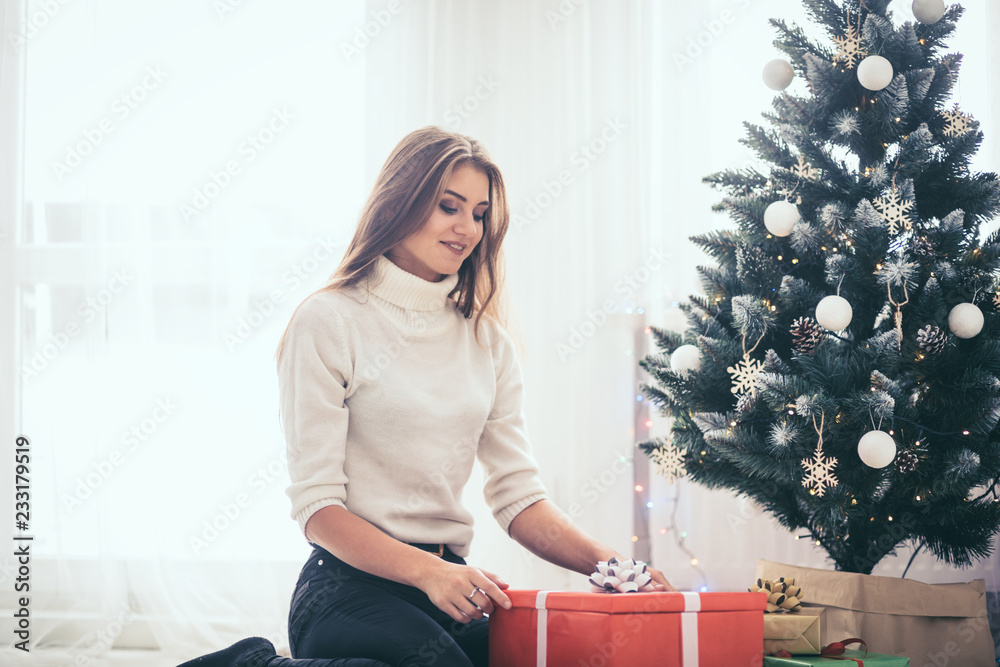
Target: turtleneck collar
x=401, y=288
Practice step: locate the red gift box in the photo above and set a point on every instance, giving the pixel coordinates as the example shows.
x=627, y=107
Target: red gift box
x=572, y=629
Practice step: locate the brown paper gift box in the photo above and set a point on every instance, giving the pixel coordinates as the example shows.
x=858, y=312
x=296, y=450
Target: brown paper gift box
x=797, y=633
x=934, y=624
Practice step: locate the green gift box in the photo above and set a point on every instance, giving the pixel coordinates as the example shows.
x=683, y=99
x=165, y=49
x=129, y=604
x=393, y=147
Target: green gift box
x=869, y=660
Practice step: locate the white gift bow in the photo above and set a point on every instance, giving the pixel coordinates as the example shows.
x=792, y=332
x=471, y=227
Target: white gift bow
x=689, y=629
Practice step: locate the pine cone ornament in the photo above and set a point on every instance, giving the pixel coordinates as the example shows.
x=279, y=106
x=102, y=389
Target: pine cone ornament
x=806, y=334
x=922, y=246
x=879, y=381
x=906, y=461
x=931, y=339
x=782, y=595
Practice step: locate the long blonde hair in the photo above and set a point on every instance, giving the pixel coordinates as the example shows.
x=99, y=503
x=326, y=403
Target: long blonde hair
x=407, y=190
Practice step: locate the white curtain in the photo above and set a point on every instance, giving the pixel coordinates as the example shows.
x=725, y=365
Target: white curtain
x=191, y=170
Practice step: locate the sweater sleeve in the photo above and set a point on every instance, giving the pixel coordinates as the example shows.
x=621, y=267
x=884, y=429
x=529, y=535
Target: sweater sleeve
x=512, y=481
x=313, y=375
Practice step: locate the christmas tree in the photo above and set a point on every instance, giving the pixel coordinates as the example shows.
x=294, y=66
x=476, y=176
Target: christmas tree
x=841, y=368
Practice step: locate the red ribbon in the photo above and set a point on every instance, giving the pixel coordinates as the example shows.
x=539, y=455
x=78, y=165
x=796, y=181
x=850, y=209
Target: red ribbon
x=834, y=651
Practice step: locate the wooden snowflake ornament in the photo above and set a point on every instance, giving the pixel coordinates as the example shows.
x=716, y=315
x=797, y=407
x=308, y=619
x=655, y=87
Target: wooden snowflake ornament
x=669, y=462
x=895, y=211
x=820, y=472
x=805, y=170
x=956, y=122
x=745, y=375
x=849, y=49
x=819, y=468
x=801, y=170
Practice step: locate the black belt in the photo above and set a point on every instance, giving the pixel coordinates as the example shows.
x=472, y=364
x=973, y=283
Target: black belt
x=436, y=549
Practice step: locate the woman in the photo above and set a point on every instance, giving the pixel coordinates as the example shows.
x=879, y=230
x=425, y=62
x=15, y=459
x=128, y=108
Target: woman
x=394, y=378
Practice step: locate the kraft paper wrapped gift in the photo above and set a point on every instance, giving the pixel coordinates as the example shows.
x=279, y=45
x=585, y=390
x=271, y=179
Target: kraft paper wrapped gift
x=797, y=633
x=931, y=624
x=852, y=660
x=569, y=629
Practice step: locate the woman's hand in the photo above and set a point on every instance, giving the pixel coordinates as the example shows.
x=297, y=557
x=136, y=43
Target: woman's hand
x=463, y=592
x=661, y=584
x=548, y=532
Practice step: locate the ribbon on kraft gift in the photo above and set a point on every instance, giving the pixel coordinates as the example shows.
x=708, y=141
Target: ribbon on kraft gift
x=834, y=651
x=689, y=629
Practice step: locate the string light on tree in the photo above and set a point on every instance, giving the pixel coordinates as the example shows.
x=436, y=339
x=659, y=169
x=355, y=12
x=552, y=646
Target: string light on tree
x=877, y=449
x=777, y=74
x=875, y=73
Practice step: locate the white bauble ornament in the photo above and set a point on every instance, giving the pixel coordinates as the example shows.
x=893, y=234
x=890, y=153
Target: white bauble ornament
x=780, y=216
x=928, y=11
x=877, y=449
x=875, y=72
x=777, y=74
x=834, y=313
x=685, y=359
x=965, y=320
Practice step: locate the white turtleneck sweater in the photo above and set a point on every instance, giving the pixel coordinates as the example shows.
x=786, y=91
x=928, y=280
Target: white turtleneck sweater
x=386, y=401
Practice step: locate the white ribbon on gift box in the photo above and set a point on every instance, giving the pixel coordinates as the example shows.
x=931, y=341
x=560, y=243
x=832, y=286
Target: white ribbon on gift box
x=542, y=636
x=689, y=629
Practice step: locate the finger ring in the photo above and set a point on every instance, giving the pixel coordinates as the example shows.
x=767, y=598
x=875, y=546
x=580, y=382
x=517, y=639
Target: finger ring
x=475, y=590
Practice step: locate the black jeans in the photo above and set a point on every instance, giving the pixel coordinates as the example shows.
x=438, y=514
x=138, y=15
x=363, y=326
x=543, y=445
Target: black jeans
x=338, y=611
